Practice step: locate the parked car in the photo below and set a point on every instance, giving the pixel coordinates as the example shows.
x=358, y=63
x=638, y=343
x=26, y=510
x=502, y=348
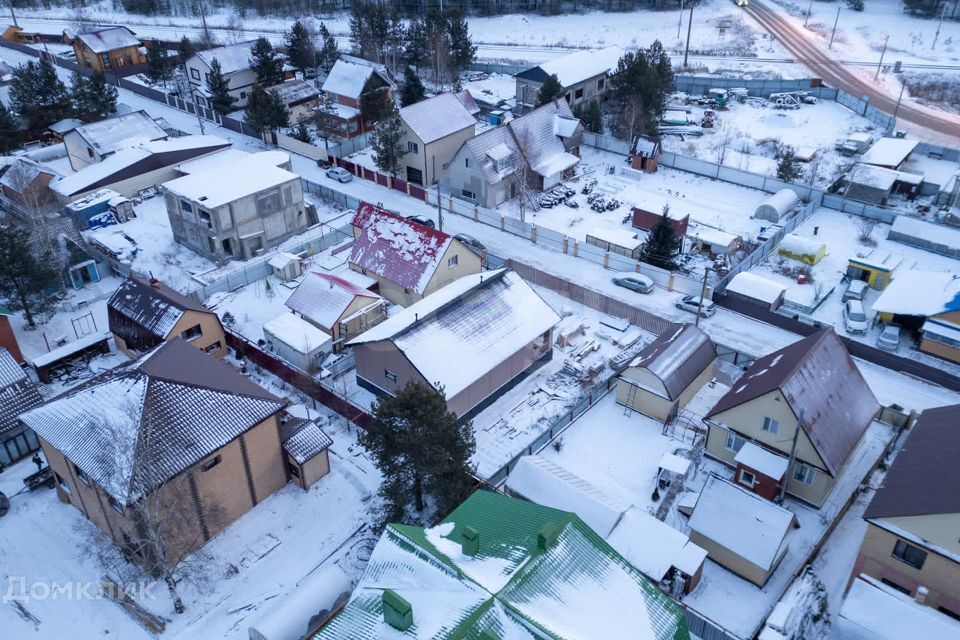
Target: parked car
x=638, y=283
x=889, y=339
x=339, y=174
x=471, y=242
x=854, y=317
x=427, y=222
x=856, y=290
x=692, y=304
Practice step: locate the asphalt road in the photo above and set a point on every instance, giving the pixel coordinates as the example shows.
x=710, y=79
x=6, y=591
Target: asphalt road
x=794, y=39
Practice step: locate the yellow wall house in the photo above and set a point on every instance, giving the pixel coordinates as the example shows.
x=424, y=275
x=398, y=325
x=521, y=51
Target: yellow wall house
x=668, y=372
x=811, y=385
x=408, y=260
x=337, y=305
x=143, y=313
x=912, y=542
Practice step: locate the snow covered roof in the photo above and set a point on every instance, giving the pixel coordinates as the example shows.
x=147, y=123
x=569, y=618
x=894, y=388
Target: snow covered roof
x=294, y=92
x=889, y=152
x=135, y=427
x=576, y=67
x=119, y=132
x=512, y=587
x=874, y=611
x=653, y=546
x=109, y=39
x=709, y=235
x=282, y=259
x=20, y=174
x=759, y=459
x=536, y=135
x=324, y=298
x=232, y=58
x=469, y=103
x=231, y=155
x=437, y=117
x=822, y=385
x=91, y=199
x=676, y=356
x=397, y=249
x=305, y=440
x=646, y=147
x=920, y=293
x=17, y=392
x=492, y=146
x=347, y=78
x=296, y=333
x=67, y=124
x=801, y=245
x=150, y=305
x=923, y=233
x=541, y=481
x=751, y=285
x=942, y=329
x=924, y=478
x=620, y=237
x=565, y=127
x=868, y=175
x=229, y=181
x=483, y=318
x=777, y=204
x=746, y=524
x=499, y=152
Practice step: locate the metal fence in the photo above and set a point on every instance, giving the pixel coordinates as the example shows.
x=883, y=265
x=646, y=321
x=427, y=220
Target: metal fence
x=350, y=145
x=699, y=85
x=863, y=107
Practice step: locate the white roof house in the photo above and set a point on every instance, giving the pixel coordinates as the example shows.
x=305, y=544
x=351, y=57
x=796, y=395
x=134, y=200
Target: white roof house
x=273, y=157
x=232, y=57
x=919, y=293
x=750, y=285
x=889, y=152
x=347, y=78
x=230, y=181
x=296, y=333
x=119, y=132
x=583, y=65
x=436, y=117
x=323, y=299
x=874, y=611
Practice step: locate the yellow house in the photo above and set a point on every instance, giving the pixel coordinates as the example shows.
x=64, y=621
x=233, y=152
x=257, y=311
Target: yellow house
x=874, y=267
x=143, y=313
x=408, y=260
x=337, y=305
x=912, y=542
x=807, y=399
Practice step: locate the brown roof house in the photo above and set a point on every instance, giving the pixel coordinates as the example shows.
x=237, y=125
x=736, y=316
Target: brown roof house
x=337, y=306
x=473, y=339
x=165, y=452
x=433, y=130
x=808, y=399
x=17, y=394
x=143, y=313
x=109, y=49
x=912, y=542
x=408, y=260
x=669, y=371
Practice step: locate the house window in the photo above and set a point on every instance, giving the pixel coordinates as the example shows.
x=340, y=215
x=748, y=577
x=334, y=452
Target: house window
x=389, y=375
x=578, y=94
x=909, y=554
x=243, y=95
x=213, y=348
x=600, y=84
x=747, y=478
x=186, y=206
x=412, y=147
x=115, y=504
x=105, y=58
x=771, y=426
x=192, y=333
x=211, y=463
x=62, y=484
x=452, y=262
x=207, y=77
x=206, y=219
x=89, y=152
x=503, y=164
x=80, y=474
x=195, y=74
x=734, y=442
x=468, y=194
x=466, y=162
x=804, y=474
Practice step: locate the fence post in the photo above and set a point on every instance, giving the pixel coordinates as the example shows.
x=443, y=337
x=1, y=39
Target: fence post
x=576, y=248
x=503, y=226
x=606, y=260
x=476, y=214
x=566, y=241
x=533, y=234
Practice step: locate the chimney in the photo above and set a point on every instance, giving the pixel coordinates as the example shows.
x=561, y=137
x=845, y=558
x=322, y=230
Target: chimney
x=547, y=536
x=154, y=282
x=470, y=541
x=922, y=593
x=397, y=612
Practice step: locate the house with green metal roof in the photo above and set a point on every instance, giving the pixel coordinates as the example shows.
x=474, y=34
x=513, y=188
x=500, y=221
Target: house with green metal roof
x=500, y=568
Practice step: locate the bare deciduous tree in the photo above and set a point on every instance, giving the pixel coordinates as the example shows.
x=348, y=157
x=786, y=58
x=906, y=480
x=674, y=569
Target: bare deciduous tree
x=865, y=227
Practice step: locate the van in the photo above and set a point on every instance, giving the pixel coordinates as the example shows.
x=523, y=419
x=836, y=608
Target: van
x=854, y=317
x=856, y=290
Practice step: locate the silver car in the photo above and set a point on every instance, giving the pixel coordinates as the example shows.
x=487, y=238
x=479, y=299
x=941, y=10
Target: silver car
x=638, y=283
x=692, y=304
x=339, y=174
x=889, y=338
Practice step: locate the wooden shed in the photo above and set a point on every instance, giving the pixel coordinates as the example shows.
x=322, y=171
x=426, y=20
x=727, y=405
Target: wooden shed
x=645, y=220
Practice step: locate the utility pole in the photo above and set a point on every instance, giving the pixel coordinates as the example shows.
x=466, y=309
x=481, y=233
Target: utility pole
x=832, y=34
x=903, y=86
x=439, y=207
x=809, y=9
x=791, y=460
x=935, y=36
x=882, y=53
x=679, y=18
x=703, y=293
x=14, y=16
x=686, y=49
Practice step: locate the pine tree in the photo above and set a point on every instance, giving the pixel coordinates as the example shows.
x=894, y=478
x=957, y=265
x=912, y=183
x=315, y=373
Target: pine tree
x=329, y=53
x=423, y=454
x=160, y=66
x=23, y=276
x=301, y=132
x=37, y=94
x=550, y=90
x=662, y=243
x=387, y=151
x=788, y=169
x=300, y=51
x=9, y=130
x=592, y=117
x=80, y=96
x=417, y=49
x=856, y=5
x=412, y=91
x=375, y=100
x=101, y=97
x=462, y=50
x=185, y=50
x=640, y=86
x=219, y=88
x=265, y=110
x=266, y=62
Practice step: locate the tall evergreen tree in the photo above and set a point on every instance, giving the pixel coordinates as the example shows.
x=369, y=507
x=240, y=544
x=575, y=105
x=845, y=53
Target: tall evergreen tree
x=266, y=63
x=640, y=86
x=423, y=454
x=37, y=94
x=101, y=97
x=788, y=169
x=550, y=90
x=23, y=276
x=387, y=151
x=9, y=130
x=219, y=89
x=80, y=96
x=159, y=65
x=300, y=50
x=592, y=117
x=462, y=50
x=416, y=51
x=412, y=91
x=662, y=243
x=375, y=100
x=329, y=53
x=301, y=132
x=185, y=50
x=265, y=110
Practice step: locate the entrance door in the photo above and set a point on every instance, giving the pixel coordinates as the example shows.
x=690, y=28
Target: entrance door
x=415, y=176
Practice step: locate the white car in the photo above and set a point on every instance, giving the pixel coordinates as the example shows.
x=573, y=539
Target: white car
x=339, y=174
x=743, y=3
x=692, y=304
x=889, y=338
x=854, y=317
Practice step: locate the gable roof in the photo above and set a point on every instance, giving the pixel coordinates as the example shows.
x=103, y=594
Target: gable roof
x=137, y=426
x=324, y=298
x=20, y=174
x=539, y=134
x=511, y=587
x=303, y=439
x=483, y=318
x=576, y=67
x=437, y=117
x=109, y=39
x=121, y=131
x=467, y=100
x=873, y=611
x=17, y=392
x=677, y=356
x=500, y=139
x=232, y=58
x=823, y=387
x=924, y=478
x=347, y=78
x=151, y=305
x=402, y=251
x=295, y=92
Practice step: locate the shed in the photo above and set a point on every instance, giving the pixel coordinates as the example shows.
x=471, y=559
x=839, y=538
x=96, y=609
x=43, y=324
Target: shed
x=305, y=446
x=94, y=210
x=777, y=206
x=802, y=249
x=760, y=470
x=715, y=241
x=926, y=235
x=645, y=154
x=297, y=341
x=860, y=141
x=874, y=267
x=869, y=184
x=756, y=290
x=295, y=615
x=285, y=266
x=48, y=363
x=669, y=371
x=740, y=530
x=618, y=241
x=645, y=220
x=889, y=152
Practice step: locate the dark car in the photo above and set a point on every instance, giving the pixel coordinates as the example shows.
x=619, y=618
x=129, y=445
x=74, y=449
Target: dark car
x=471, y=242
x=427, y=222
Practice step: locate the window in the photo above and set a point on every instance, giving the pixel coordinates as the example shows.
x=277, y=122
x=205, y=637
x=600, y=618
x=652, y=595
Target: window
x=389, y=375
x=412, y=147
x=207, y=77
x=115, y=504
x=105, y=58
x=186, y=206
x=771, y=426
x=62, y=484
x=80, y=474
x=894, y=585
x=909, y=554
x=600, y=84
x=243, y=95
x=747, y=478
x=213, y=348
x=211, y=463
x=89, y=152
x=804, y=474
x=468, y=194
x=466, y=162
x=213, y=245
x=734, y=442
x=452, y=262
x=192, y=333
x=503, y=164
x=195, y=74
x=578, y=94
x=206, y=219
x=227, y=246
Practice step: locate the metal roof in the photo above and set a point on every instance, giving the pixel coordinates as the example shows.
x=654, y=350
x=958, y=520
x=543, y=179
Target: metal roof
x=437, y=117
x=109, y=39
x=676, y=357
x=17, y=392
x=304, y=439
x=151, y=305
x=323, y=298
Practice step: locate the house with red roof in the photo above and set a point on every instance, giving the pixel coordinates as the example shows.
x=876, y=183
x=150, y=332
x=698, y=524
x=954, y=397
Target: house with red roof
x=408, y=260
x=337, y=306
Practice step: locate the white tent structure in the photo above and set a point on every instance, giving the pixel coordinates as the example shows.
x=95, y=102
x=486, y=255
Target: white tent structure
x=777, y=205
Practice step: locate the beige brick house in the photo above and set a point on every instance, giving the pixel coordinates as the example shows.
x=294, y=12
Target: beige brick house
x=433, y=131
x=337, y=306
